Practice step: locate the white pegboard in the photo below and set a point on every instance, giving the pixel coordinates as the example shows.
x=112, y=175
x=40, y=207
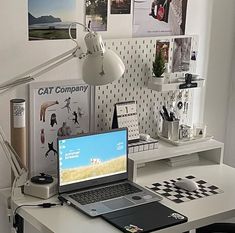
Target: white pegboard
x=137, y=55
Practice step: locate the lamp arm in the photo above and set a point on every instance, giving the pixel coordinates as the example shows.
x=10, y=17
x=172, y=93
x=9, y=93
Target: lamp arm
x=51, y=67
x=15, y=158
x=11, y=155
x=20, y=172
x=50, y=64
x=8, y=156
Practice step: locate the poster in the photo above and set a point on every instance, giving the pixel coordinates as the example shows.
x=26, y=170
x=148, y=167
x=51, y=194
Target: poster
x=96, y=14
x=120, y=7
x=50, y=19
x=181, y=54
x=159, y=17
x=61, y=108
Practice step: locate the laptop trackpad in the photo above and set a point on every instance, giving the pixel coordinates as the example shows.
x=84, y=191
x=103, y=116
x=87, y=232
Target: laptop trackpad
x=118, y=203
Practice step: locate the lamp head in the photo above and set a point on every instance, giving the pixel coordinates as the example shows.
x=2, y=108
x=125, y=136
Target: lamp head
x=101, y=66
x=94, y=43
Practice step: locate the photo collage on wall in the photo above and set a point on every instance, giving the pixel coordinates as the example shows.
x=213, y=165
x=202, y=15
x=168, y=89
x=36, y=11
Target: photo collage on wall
x=49, y=20
x=159, y=17
x=57, y=109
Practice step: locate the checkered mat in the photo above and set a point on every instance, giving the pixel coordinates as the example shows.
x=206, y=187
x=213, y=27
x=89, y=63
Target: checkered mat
x=170, y=191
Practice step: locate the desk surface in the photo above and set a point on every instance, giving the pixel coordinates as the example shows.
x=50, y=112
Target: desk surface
x=199, y=212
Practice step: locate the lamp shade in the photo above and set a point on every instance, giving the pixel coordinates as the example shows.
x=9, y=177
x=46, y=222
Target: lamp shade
x=102, y=69
x=100, y=66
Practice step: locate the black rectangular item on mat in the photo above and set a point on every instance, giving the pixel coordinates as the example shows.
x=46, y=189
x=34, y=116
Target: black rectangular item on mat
x=145, y=218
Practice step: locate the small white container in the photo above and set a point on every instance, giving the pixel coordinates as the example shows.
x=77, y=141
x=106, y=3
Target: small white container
x=158, y=80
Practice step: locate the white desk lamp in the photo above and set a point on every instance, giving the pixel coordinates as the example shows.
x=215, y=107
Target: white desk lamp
x=100, y=66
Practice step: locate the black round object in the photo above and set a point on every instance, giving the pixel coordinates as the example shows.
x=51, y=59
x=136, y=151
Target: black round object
x=42, y=179
x=136, y=197
x=180, y=105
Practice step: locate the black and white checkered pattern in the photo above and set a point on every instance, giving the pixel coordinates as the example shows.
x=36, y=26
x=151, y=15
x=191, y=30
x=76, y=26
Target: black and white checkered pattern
x=170, y=191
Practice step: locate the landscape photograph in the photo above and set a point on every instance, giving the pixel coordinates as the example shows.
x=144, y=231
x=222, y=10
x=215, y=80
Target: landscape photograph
x=50, y=19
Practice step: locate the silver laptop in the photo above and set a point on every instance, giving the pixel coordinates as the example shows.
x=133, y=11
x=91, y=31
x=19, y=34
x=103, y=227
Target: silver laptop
x=93, y=173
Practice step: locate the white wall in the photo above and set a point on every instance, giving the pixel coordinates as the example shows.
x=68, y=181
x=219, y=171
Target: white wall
x=219, y=67
x=200, y=23
x=229, y=156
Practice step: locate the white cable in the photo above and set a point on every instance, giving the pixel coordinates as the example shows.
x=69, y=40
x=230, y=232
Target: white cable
x=77, y=23
x=15, y=157
x=14, y=165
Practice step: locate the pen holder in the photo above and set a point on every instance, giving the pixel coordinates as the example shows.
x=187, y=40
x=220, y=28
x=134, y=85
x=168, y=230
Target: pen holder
x=170, y=130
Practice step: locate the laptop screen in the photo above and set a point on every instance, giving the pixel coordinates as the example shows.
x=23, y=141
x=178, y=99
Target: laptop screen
x=89, y=158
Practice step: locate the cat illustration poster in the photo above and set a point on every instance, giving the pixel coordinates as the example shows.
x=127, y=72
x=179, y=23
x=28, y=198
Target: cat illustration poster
x=57, y=109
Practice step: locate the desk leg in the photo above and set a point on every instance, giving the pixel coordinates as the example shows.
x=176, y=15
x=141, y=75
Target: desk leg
x=20, y=224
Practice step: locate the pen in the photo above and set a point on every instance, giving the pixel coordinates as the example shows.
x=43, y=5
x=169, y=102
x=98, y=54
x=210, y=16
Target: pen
x=162, y=115
x=166, y=114
x=172, y=116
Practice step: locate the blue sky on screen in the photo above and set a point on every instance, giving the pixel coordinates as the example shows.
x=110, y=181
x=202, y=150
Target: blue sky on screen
x=64, y=9
x=80, y=150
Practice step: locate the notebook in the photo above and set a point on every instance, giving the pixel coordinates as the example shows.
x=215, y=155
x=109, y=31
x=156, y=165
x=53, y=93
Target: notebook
x=145, y=218
x=93, y=173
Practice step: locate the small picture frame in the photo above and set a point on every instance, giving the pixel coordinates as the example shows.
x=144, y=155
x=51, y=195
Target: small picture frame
x=199, y=130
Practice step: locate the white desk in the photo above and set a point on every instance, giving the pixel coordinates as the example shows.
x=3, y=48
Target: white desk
x=200, y=212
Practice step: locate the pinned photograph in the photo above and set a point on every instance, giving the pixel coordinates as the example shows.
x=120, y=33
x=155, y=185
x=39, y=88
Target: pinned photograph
x=50, y=19
x=163, y=47
x=194, y=56
x=96, y=14
x=159, y=17
x=120, y=7
x=181, y=54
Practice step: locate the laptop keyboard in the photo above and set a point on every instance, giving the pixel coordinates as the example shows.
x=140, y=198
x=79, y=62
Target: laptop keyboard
x=104, y=193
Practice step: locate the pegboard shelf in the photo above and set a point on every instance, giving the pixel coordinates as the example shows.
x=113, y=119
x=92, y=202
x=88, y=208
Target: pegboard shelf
x=138, y=55
x=163, y=87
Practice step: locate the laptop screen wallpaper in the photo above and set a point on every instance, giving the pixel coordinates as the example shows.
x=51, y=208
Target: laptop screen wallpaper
x=92, y=156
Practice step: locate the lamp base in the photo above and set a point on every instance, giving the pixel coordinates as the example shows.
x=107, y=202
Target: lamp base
x=43, y=191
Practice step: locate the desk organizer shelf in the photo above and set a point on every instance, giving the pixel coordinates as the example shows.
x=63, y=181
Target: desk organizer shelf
x=186, y=141
x=210, y=150
x=171, y=86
